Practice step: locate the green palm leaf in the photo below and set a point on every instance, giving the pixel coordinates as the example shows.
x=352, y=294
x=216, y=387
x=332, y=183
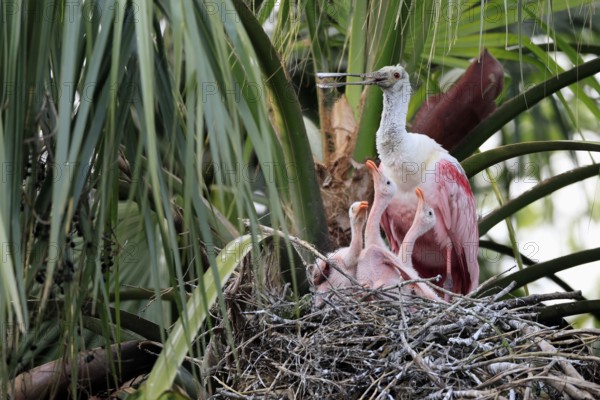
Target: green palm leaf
x=540, y=190
x=480, y=161
x=520, y=104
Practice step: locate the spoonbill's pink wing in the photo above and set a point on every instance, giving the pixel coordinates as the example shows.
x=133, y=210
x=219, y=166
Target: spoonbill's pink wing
x=457, y=209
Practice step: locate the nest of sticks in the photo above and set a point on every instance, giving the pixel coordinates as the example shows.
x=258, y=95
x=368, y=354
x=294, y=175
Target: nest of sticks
x=385, y=348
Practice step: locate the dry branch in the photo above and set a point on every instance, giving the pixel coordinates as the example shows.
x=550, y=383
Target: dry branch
x=410, y=348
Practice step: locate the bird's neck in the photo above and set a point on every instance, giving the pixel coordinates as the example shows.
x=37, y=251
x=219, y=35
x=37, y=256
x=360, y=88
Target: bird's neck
x=392, y=138
x=408, y=244
x=356, y=245
x=372, y=232
x=415, y=231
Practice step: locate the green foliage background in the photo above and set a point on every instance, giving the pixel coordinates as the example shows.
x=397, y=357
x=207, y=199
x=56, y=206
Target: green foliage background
x=135, y=136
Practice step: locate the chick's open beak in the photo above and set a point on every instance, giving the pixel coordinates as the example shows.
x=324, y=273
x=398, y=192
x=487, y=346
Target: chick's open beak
x=363, y=206
x=420, y=194
x=372, y=167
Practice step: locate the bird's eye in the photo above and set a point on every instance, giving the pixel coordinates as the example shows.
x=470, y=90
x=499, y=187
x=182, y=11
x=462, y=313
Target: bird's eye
x=388, y=183
x=430, y=213
x=397, y=75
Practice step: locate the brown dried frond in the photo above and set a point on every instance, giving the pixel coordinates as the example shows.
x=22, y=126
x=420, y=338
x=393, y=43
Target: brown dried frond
x=341, y=179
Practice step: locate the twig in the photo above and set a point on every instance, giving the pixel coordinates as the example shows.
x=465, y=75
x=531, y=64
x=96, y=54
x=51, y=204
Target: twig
x=389, y=347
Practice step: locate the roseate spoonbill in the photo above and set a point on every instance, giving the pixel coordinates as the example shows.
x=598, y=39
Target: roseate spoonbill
x=346, y=258
x=411, y=160
x=378, y=266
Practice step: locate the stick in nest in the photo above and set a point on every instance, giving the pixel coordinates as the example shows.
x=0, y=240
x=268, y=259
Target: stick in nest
x=389, y=348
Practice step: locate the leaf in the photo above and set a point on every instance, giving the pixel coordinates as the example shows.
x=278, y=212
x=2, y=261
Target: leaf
x=543, y=269
x=448, y=117
x=557, y=311
x=10, y=296
x=196, y=311
x=70, y=58
x=357, y=60
x=520, y=103
x=509, y=251
x=480, y=161
x=539, y=191
x=306, y=201
x=385, y=26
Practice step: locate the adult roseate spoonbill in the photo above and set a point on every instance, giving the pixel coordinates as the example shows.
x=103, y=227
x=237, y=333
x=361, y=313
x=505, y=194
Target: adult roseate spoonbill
x=346, y=258
x=411, y=160
x=378, y=266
